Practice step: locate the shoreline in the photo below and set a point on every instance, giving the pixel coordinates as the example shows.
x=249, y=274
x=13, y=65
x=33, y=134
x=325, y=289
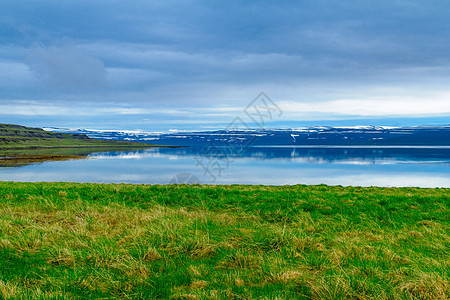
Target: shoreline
x=231, y=185
x=89, y=147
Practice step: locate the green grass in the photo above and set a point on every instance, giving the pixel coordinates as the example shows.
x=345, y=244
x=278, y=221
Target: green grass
x=66, y=143
x=31, y=142
x=86, y=241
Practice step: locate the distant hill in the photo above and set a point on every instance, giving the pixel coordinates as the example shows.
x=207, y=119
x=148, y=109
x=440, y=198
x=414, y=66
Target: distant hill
x=12, y=132
x=16, y=136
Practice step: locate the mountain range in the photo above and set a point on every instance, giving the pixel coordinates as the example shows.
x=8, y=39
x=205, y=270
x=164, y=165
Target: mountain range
x=305, y=136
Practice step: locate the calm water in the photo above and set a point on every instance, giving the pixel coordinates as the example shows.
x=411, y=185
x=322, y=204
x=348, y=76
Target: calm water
x=423, y=167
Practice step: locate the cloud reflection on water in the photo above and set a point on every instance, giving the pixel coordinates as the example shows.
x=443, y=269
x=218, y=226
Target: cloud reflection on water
x=277, y=166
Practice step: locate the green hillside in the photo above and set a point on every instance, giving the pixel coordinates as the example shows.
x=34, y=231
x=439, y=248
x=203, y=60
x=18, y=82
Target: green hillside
x=19, y=137
x=21, y=146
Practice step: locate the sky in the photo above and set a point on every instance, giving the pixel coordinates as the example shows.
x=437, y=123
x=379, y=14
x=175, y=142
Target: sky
x=197, y=65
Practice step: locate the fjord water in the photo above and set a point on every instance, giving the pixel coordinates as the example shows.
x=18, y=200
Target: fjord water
x=278, y=165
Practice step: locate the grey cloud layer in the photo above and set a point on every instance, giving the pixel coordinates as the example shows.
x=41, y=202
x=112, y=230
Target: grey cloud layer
x=67, y=69
x=198, y=53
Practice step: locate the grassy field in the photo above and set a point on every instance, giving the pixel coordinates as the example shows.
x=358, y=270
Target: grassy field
x=67, y=240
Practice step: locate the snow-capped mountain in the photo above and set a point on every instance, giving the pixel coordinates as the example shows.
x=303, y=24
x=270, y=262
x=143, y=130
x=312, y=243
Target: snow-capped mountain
x=305, y=136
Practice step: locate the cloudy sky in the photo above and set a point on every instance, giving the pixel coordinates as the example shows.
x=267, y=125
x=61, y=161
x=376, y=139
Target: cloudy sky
x=173, y=64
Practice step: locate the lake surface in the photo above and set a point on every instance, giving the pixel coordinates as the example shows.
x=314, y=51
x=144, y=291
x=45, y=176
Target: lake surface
x=369, y=166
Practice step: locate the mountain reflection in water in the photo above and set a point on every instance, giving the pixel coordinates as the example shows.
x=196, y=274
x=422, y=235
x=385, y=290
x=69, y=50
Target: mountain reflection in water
x=358, y=166
x=358, y=155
